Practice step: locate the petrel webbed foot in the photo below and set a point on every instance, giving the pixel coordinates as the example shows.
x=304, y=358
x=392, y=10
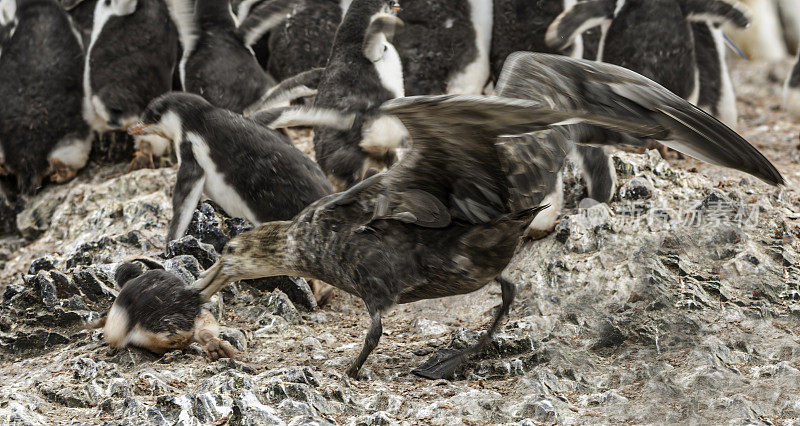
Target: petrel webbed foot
x=444, y=363
x=441, y=365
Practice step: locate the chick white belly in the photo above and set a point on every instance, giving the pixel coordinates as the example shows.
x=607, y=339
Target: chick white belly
x=215, y=187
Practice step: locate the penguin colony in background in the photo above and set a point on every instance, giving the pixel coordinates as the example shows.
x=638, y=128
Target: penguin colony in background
x=435, y=191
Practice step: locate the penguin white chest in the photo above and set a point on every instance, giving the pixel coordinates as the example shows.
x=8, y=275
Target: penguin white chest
x=390, y=70
x=215, y=186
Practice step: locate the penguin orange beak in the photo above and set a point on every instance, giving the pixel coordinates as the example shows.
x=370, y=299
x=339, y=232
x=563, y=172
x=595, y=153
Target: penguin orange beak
x=138, y=129
x=395, y=7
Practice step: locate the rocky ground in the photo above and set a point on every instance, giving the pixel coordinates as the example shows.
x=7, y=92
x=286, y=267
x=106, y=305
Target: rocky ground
x=679, y=304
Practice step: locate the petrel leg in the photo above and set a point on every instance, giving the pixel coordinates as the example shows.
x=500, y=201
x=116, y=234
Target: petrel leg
x=443, y=364
x=373, y=336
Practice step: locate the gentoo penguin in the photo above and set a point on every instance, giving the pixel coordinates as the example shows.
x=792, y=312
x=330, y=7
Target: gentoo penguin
x=157, y=311
x=303, y=41
x=41, y=127
x=132, y=52
x=82, y=14
x=251, y=171
x=448, y=217
x=763, y=40
x=716, y=88
x=791, y=90
x=520, y=25
x=445, y=46
x=665, y=54
x=363, y=71
x=217, y=62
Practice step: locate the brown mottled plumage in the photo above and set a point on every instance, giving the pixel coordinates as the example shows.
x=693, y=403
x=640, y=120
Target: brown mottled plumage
x=447, y=219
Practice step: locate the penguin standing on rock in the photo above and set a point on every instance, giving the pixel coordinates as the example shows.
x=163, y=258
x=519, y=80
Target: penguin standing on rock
x=41, y=127
x=651, y=37
x=364, y=70
x=217, y=61
x=248, y=169
x=791, y=90
x=157, y=311
x=445, y=46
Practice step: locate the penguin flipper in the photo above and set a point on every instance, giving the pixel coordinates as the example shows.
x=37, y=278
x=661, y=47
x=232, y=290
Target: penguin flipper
x=299, y=86
x=577, y=19
x=383, y=24
x=715, y=12
x=617, y=93
x=301, y=116
x=265, y=16
x=186, y=194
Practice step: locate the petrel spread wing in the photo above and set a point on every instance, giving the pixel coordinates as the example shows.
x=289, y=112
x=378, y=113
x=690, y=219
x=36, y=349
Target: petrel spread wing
x=615, y=92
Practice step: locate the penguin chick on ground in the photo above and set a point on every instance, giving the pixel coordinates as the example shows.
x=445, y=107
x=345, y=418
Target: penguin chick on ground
x=41, y=127
x=791, y=90
x=217, y=61
x=650, y=37
x=364, y=70
x=157, y=311
x=447, y=219
x=445, y=46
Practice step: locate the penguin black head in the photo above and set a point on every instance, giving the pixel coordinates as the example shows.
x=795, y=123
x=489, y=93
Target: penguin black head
x=165, y=114
x=126, y=272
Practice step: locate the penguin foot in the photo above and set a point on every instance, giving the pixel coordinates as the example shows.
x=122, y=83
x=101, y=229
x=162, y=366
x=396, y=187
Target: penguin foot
x=441, y=365
x=323, y=292
x=142, y=159
x=61, y=172
x=217, y=348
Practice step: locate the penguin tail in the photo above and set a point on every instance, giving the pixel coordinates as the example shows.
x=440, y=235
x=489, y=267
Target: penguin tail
x=300, y=86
